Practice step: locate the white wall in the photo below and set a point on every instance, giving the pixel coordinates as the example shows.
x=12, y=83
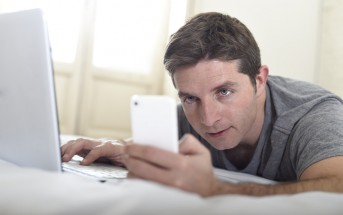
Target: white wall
x=287, y=31
x=331, y=49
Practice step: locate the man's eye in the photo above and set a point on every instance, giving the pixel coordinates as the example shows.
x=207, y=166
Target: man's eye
x=189, y=99
x=224, y=92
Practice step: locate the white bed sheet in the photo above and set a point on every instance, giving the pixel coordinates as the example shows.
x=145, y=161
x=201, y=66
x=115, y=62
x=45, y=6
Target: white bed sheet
x=32, y=191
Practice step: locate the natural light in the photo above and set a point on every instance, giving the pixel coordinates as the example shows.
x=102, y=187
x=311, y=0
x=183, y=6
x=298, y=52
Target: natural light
x=63, y=17
x=128, y=34
x=123, y=36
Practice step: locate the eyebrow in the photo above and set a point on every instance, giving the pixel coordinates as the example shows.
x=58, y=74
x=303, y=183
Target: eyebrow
x=183, y=94
x=229, y=84
x=223, y=85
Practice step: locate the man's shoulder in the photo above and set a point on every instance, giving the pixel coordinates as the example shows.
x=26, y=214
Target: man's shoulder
x=295, y=87
x=304, y=113
x=293, y=99
x=288, y=93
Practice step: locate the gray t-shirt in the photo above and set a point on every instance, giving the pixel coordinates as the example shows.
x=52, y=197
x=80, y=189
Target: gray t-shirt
x=303, y=124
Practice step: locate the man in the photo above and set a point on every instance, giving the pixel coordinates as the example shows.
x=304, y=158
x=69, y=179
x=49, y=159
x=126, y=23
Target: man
x=235, y=117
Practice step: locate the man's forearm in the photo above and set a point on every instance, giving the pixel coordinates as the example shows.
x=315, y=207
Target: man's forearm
x=332, y=184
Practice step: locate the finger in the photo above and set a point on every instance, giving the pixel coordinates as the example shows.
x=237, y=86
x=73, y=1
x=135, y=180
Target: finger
x=189, y=145
x=131, y=175
x=109, y=150
x=153, y=155
x=65, y=150
x=65, y=146
x=141, y=169
x=77, y=146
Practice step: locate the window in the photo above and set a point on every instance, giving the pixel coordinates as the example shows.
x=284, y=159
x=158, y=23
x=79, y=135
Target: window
x=124, y=36
x=63, y=17
x=128, y=34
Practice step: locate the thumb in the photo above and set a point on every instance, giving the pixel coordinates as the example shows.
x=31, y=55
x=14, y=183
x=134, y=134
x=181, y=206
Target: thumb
x=189, y=145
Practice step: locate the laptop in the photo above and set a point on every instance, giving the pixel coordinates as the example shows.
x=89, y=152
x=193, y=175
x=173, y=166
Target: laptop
x=29, y=132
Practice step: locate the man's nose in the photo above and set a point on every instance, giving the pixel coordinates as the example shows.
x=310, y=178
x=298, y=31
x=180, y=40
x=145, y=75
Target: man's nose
x=209, y=113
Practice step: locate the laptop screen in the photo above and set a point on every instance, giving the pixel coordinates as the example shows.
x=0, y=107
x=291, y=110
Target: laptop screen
x=29, y=134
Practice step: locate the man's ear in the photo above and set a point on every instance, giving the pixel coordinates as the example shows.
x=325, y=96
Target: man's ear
x=261, y=80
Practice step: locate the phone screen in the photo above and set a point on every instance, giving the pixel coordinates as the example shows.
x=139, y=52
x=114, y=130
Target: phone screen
x=154, y=121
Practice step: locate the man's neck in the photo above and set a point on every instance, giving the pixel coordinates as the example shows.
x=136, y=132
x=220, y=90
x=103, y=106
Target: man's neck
x=241, y=155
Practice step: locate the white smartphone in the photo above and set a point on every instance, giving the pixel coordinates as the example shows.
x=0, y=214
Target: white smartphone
x=154, y=121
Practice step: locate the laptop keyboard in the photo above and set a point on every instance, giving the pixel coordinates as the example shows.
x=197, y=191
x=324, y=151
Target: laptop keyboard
x=101, y=171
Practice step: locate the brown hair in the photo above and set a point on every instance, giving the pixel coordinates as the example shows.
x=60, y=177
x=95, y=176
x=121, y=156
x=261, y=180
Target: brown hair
x=213, y=36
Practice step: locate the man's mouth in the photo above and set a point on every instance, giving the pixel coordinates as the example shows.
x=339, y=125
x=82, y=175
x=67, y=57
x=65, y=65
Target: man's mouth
x=218, y=134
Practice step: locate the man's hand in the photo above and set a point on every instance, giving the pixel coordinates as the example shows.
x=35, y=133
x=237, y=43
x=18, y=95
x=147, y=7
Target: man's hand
x=94, y=150
x=190, y=170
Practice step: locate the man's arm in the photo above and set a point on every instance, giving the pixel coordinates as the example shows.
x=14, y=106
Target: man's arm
x=326, y=175
x=191, y=170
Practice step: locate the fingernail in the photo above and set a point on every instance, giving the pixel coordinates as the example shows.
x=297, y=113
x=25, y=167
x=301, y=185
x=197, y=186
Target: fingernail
x=65, y=157
x=84, y=161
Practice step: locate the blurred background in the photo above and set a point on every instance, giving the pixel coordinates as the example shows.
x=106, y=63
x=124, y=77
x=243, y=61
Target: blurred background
x=104, y=51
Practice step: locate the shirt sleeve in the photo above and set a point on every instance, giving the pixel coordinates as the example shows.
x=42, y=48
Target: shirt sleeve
x=317, y=136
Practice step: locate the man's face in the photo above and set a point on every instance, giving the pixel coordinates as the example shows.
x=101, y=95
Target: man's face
x=220, y=103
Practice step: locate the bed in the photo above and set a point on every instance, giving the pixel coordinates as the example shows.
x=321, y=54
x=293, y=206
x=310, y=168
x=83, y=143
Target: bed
x=34, y=191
